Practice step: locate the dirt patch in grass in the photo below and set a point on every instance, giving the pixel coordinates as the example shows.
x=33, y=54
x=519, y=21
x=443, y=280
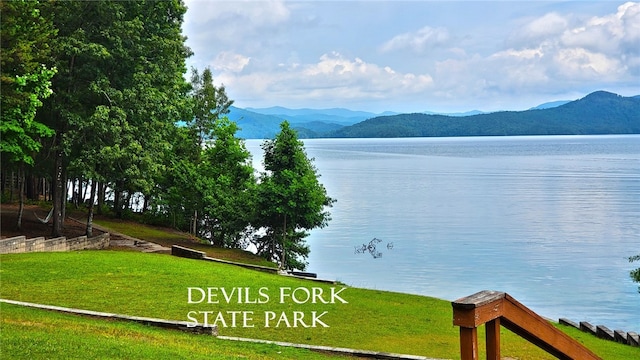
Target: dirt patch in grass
x=31, y=226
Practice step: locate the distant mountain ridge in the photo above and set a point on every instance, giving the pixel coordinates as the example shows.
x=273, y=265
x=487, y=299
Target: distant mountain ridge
x=549, y=105
x=466, y=113
x=600, y=112
x=335, y=112
x=263, y=123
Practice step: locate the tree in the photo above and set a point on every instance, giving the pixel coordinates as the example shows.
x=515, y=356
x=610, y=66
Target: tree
x=119, y=90
x=209, y=103
x=290, y=201
x=211, y=189
x=176, y=197
x=229, y=185
x=187, y=176
x=635, y=274
x=25, y=82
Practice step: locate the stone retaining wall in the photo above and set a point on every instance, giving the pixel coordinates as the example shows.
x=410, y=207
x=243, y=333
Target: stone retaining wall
x=603, y=332
x=20, y=244
x=185, y=252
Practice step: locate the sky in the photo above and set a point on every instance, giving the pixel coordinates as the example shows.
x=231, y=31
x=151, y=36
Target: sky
x=415, y=56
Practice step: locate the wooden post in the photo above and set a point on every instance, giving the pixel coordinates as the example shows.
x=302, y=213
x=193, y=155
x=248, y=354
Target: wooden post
x=472, y=311
x=493, y=339
x=468, y=343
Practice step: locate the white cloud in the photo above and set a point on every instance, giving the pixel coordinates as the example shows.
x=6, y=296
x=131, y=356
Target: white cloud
x=519, y=54
x=538, y=30
x=334, y=71
x=612, y=34
x=239, y=26
x=418, y=41
x=333, y=79
x=282, y=53
x=245, y=12
x=582, y=64
x=552, y=53
x=229, y=61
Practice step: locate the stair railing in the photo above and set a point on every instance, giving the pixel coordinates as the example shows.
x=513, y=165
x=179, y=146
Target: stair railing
x=495, y=309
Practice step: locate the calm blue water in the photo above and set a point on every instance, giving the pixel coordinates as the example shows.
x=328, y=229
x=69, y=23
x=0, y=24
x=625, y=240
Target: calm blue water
x=550, y=220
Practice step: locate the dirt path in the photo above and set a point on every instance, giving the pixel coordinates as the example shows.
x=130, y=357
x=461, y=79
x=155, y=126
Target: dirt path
x=122, y=240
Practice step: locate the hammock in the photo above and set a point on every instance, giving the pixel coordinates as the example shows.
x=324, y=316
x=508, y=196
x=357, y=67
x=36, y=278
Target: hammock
x=45, y=220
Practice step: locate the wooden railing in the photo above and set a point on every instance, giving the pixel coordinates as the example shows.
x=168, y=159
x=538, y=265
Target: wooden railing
x=495, y=309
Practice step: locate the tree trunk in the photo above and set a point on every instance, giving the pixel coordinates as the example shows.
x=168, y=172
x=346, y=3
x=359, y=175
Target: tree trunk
x=284, y=241
x=101, y=196
x=65, y=195
x=31, y=187
x=79, y=196
x=11, y=186
x=127, y=203
x=58, y=196
x=90, y=212
x=86, y=188
x=21, y=179
x=3, y=180
x=117, y=198
x=195, y=221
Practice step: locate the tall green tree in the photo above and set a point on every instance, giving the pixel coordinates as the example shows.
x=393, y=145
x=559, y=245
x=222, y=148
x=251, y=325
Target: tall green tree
x=119, y=90
x=187, y=176
x=228, y=176
x=154, y=91
x=211, y=191
x=291, y=201
x=210, y=103
x=176, y=197
x=25, y=81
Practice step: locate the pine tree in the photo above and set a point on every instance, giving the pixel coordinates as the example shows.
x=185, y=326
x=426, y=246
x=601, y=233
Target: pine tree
x=291, y=201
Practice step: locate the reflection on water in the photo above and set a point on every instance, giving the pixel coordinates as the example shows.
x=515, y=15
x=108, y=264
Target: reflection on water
x=551, y=220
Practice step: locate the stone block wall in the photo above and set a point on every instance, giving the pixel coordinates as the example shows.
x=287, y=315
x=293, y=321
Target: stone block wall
x=20, y=244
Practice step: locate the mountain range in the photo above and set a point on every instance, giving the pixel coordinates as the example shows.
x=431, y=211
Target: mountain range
x=600, y=112
x=264, y=123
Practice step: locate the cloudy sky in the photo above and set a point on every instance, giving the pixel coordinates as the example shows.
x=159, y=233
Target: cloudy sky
x=412, y=56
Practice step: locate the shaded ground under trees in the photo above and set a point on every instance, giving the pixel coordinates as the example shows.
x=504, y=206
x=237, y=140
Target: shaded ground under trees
x=32, y=227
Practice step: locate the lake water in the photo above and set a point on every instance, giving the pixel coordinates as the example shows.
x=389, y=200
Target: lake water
x=549, y=219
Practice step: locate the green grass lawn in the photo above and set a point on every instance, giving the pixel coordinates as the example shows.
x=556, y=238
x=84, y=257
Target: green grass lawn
x=39, y=334
x=168, y=237
x=156, y=285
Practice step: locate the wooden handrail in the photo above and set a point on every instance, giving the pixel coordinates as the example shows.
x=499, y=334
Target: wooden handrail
x=495, y=309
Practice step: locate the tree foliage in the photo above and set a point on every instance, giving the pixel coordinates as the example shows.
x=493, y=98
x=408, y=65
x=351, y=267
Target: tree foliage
x=25, y=79
x=209, y=103
x=208, y=178
x=119, y=90
x=291, y=200
x=228, y=187
x=635, y=274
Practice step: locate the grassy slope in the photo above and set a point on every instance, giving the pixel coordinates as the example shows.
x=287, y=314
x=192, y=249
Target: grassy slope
x=39, y=334
x=167, y=237
x=156, y=285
